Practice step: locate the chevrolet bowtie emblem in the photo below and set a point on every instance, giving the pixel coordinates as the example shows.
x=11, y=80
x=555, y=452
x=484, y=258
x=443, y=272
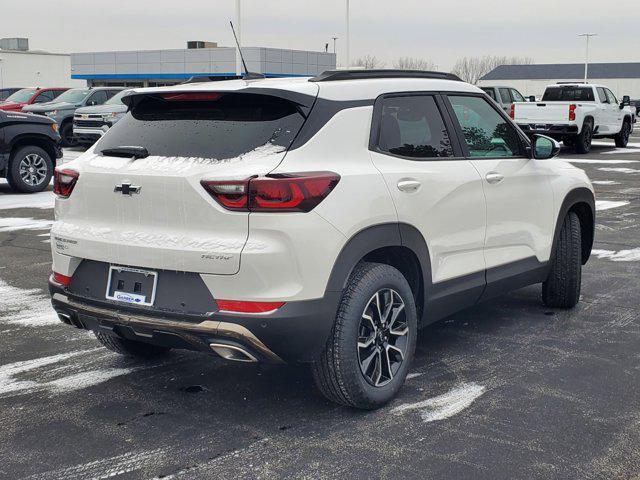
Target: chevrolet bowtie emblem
x=127, y=189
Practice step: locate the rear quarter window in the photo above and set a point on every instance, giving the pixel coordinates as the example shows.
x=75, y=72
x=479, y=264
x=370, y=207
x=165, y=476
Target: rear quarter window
x=211, y=125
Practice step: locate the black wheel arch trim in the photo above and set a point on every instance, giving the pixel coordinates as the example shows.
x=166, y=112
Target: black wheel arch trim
x=572, y=201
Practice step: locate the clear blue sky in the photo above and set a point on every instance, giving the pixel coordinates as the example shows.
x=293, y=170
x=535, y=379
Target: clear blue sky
x=438, y=30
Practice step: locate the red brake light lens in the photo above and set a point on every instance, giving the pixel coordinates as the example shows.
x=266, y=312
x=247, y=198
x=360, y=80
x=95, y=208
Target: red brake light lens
x=60, y=279
x=191, y=97
x=512, y=114
x=64, y=181
x=237, y=306
x=572, y=113
x=292, y=192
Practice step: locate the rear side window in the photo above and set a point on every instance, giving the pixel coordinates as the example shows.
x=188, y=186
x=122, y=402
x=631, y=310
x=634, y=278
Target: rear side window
x=568, y=94
x=486, y=132
x=602, y=95
x=206, y=125
x=505, y=94
x=412, y=126
x=517, y=96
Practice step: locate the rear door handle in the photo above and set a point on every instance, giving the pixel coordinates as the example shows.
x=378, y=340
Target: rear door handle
x=408, y=185
x=494, y=177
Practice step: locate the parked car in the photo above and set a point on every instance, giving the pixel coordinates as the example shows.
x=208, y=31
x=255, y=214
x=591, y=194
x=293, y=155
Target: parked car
x=90, y=123
x=504, y=96
x=30, y=96
x=576, y=114
x=29, y=148
x=5, y=92
x=316, y=220
x=63, y=108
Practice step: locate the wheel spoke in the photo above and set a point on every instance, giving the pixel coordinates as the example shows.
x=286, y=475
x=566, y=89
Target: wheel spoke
x=366, y=363
x=396, y=350
x=378, y=368
x=364, y=342
x=387, y=364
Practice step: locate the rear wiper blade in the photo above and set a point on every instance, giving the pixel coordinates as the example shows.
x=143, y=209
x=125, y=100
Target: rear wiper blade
x=129, y=151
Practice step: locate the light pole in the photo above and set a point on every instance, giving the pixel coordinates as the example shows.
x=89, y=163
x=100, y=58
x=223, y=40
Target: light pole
x=586, y=61
x=347, y=41
x=334, y=43
x=238, y=27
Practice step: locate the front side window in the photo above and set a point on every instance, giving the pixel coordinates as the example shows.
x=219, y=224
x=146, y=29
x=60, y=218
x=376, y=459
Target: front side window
x=612, y=98
x=486, y=132
x=517, y=96
x=97, y=98
x=490, y=92
x=412, y=126
x=44, y=97
x=505, y=94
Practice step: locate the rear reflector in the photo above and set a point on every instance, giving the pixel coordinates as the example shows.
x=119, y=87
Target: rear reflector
x=512, y=113
x=572, y=113
x=291, y=192
x=60, y=279
x=64, y=181
x=237, y=306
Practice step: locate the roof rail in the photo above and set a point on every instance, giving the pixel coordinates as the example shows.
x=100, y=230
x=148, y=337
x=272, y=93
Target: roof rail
x=332, y=75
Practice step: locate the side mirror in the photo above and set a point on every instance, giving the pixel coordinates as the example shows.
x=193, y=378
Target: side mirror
x=532, y=98
x=626, y=100
x=544, y=147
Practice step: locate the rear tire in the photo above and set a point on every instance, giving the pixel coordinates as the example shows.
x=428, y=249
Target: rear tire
x=130, y=348
x=562, y=287
x=622, y=138
x=30, y=170
x=583, y=141
x=569, y=142
x=360, y=365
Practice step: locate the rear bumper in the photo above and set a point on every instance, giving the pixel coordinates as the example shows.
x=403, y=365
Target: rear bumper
x=297, y=332
x=551, y=130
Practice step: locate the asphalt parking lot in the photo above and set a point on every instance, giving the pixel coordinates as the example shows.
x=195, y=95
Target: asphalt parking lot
x=508, y=389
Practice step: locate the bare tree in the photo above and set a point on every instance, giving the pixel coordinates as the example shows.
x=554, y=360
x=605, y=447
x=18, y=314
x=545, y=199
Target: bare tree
x=414, y=63
x=471, y=69
x=368, y=62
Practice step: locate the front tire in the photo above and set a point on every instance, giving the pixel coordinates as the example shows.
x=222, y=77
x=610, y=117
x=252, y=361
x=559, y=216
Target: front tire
x=562, y=287
x=30, y=170
x=583, y=141
x=372, y=343
x=622, y=138
x=66, y=133
x=130, y=348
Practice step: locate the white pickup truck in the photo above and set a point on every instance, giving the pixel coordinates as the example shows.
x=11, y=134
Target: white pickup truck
x=577, y=113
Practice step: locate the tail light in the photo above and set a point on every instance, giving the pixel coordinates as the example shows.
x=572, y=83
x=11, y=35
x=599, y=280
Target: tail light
x=291, y=192
x=237, y=306
x=512, y=113
x=64, y=181
x=60, y=279
x=572, y=113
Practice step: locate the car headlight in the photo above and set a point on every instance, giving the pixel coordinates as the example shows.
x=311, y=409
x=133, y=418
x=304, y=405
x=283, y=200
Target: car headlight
x=52, y=113
x=112, y=117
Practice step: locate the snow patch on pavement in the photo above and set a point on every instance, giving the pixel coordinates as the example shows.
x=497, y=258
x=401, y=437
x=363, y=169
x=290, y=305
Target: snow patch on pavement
x=23, y=200
x=632, y=255
x=25, y=307
x=446, y=405
x=13, y=224
x=591, y=160
x=609, y=204
x=619, y=170
x=605, y=182
x=413, y=375
x=82, y=380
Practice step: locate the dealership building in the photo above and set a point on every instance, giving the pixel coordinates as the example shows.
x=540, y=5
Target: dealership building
x=141, y=68
x=21, y=67
x=621, y=78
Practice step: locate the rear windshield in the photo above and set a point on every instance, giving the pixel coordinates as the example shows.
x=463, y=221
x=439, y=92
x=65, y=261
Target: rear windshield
x=568, y=94
x=206, y=125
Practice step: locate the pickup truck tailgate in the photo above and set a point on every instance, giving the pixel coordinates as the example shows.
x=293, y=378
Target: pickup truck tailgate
x=552, y=112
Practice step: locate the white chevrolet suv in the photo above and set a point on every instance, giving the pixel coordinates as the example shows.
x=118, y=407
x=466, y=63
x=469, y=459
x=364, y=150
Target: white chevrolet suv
x=320, y=220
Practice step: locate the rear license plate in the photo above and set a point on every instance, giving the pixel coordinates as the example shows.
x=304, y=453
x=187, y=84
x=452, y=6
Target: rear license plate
x=132, y=285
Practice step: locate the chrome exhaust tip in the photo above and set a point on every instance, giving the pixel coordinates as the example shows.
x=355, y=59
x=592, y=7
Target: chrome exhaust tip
x=231, y=352
x=64, y=318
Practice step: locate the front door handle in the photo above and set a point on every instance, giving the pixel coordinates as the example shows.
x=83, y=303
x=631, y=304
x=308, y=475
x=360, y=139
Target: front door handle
x=494, y=177
x=408, y=185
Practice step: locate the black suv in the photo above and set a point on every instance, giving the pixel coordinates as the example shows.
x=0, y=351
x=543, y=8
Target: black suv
x=29, y=148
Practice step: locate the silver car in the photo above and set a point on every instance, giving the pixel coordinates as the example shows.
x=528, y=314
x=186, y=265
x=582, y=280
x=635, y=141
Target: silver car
x=90, y=123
